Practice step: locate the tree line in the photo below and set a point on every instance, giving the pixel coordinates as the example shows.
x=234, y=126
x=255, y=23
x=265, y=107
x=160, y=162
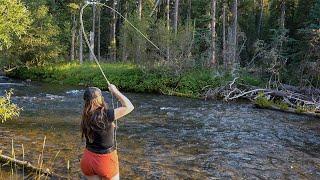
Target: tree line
x=278, y=40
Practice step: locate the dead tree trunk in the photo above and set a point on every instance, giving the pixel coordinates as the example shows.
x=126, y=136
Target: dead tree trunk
x=213, y=32
x=176, y=16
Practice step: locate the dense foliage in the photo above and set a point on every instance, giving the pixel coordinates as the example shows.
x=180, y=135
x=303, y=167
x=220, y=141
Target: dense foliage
x=14, y=20
x=276, y=40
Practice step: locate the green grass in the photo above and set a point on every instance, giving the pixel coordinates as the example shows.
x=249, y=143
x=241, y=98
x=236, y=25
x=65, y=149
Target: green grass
x=127, y=77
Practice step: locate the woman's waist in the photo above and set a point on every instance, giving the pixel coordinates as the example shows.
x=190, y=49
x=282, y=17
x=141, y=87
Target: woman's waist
x=100, y=149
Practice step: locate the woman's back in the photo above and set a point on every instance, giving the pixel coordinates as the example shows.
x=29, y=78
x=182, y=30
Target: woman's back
x=100, y=159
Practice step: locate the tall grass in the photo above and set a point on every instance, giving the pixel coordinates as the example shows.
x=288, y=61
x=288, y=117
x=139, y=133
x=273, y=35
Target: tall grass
x=18, y=170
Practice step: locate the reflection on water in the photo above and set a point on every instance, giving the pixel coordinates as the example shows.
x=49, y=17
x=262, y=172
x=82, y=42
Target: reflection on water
x=169, y=137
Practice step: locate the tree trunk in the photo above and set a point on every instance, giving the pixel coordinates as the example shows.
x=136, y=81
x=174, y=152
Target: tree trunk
x=189, y=11
x=176, y=16
x=168, y=28
x=91, y=45
x=113, y=43
x=234, y=31
x=140, y=9
x=224, y=50
x=283, y=14
x=260, y=18
x=139, y=42
x=99, y=33
x=80, y=46
x=93, y=31
x=73, y=38
x=124, y=48
x=213, y=32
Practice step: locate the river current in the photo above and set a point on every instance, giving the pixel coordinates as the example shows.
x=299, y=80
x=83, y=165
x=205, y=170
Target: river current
x=165, y=137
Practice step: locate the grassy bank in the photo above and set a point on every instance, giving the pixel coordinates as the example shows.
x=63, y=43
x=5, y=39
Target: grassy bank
x=127, y=77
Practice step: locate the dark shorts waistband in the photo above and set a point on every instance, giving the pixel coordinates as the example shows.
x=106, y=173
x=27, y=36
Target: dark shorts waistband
x=102, y=151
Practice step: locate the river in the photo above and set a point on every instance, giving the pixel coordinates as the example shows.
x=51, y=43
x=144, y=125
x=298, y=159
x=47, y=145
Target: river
x=166, y=137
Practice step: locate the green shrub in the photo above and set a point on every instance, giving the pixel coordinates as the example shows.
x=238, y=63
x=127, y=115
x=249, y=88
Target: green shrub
x=8, y=110
x=282, y=105
x=300, y=109
x=263, y=101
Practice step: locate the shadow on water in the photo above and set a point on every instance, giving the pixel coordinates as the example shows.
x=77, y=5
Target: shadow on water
x=169, y=137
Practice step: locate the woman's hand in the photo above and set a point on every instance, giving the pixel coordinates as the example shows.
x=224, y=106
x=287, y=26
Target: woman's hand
x=113, y=89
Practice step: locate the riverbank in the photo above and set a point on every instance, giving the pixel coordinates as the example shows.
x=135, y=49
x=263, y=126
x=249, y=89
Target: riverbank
x=128, y=77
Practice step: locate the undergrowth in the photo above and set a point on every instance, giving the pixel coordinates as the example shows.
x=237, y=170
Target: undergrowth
x=127, y=77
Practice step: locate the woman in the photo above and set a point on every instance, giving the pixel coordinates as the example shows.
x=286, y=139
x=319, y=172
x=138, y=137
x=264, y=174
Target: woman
x=100, y=159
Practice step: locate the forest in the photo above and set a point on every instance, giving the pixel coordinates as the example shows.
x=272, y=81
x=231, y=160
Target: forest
x=277, y=40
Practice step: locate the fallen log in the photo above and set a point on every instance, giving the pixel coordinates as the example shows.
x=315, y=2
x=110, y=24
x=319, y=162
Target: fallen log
x=6, y=160
x=289, y=110
x=308, y=91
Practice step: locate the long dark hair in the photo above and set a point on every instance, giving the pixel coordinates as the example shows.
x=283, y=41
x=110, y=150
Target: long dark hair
x=93, y=117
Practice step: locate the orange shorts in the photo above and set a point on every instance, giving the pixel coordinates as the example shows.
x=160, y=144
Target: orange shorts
x=103, y=165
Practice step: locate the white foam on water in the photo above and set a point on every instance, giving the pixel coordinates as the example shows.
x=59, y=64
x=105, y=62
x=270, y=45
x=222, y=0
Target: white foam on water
x=51, y=96
x=169, y=108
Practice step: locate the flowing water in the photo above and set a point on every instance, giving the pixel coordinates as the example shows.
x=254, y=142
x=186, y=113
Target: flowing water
x=166, y=137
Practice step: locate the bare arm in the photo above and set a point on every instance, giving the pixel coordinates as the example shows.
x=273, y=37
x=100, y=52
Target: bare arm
x=126, y=105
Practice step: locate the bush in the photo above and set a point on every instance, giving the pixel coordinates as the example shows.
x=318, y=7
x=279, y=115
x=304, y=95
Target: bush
x=8, y=110
x=282, y=105
x=263, y=101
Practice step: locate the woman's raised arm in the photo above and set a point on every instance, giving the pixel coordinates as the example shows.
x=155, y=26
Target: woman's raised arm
x=126, y=105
